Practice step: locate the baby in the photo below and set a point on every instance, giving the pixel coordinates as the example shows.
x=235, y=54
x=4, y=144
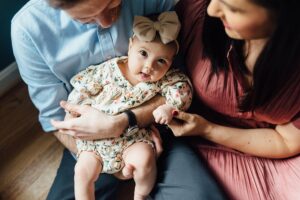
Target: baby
x=120, y=84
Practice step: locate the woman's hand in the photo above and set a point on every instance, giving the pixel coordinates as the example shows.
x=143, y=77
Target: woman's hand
x=186, y=124
x=90, y=124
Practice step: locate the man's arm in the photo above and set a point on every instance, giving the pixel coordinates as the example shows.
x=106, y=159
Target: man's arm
x=45, y=89
x=144, y=112
x=93, y=124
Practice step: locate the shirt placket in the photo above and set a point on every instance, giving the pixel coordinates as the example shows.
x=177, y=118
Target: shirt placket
x=106, y=44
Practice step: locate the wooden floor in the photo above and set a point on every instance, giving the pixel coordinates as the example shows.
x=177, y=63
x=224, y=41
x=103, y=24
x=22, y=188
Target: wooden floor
x=29, y=157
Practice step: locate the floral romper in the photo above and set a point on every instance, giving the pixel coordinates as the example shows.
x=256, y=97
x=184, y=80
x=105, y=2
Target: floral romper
x=105, y=88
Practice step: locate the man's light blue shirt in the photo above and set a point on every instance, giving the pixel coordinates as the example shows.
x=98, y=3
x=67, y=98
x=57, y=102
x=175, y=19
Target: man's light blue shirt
x=50, y=47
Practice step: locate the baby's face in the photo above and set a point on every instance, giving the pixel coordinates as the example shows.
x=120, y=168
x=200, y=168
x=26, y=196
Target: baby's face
x=149, y=61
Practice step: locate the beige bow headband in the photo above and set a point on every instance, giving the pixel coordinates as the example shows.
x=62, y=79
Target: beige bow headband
x=167, y=26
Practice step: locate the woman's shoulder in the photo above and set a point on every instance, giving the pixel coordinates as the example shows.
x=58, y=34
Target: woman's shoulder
x=146, y=7
x=192, y=9
x=191, y=14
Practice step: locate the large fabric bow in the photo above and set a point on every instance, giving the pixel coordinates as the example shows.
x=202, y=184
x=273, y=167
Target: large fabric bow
x=167, y=26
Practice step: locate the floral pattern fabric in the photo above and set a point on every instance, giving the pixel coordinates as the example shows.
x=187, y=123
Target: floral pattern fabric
x=105, y=88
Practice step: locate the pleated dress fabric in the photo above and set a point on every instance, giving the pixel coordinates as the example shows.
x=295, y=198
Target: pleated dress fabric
x=216, y=99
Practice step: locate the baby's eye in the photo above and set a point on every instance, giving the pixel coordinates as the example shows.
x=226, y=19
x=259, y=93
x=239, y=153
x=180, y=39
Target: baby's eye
x=162, y=61
x=143, y=53
x=233, y=10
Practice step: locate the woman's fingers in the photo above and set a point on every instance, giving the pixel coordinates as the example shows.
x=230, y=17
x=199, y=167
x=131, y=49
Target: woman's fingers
x=181, y=115
x=180, y=123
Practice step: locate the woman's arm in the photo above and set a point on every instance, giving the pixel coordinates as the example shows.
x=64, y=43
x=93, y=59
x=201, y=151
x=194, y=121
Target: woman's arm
x=281, y=142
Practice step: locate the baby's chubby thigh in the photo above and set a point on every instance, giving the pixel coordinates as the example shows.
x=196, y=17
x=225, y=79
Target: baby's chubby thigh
x=88, y=167
x=139, y=156
x=140, y=163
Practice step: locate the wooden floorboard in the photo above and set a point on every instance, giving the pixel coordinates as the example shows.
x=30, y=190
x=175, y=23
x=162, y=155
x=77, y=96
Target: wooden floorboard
x=29, y=158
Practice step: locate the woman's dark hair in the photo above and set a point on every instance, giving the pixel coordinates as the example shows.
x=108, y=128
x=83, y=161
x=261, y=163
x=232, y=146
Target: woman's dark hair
x=63, y=4
x=278, y=64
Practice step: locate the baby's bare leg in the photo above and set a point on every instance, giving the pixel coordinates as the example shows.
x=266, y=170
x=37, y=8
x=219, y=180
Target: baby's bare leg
x=87, y=170
x=140, y=158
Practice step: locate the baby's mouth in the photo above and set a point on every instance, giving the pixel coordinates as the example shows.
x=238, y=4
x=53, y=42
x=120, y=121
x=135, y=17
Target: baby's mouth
x=144, y=75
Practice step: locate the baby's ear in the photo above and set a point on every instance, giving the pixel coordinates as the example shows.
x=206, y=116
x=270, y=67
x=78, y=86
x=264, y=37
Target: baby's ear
x=130, y=44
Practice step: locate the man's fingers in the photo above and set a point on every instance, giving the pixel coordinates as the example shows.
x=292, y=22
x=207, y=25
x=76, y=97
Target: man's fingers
x=155, y=131
x=157, y=140
x=70, y=124
x=68, y=132
x=76, y=134
x=72, y=108
x=61, y=124
x=84, y=135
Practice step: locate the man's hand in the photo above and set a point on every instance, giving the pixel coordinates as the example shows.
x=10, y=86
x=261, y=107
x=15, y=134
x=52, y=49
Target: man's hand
x=91, y=123
x=157, y=140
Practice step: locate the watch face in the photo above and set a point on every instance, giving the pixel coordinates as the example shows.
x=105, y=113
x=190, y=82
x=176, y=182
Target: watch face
x=132, y=130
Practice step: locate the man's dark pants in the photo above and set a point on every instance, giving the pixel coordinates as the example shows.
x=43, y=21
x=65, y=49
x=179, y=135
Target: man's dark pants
x=181, y=175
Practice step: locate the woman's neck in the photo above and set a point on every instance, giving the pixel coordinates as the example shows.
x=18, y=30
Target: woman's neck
x=252, y=50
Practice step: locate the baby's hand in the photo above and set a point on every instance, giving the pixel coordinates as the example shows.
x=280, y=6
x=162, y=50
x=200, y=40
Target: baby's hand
x=163, y=114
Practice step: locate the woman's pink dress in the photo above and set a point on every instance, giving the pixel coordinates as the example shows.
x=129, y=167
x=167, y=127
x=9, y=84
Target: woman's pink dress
x=243, y=176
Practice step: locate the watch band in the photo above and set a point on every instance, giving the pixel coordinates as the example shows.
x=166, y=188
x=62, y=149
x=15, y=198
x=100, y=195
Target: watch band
x=131, y=118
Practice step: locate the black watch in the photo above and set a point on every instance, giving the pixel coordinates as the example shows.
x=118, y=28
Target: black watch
x=132, y=123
